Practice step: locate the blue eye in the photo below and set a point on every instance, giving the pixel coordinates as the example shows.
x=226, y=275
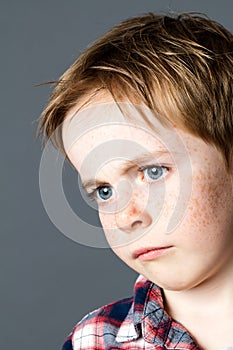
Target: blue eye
x=104, y=192
x=154, y=172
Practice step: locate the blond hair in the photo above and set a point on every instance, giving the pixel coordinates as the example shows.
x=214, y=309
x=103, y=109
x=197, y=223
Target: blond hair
x=179, y=66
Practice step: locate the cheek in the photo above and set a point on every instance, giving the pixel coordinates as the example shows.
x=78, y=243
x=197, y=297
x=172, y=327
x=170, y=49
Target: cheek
x=211, y=201
x=107, y=220
x=209, y=212
x=123, y=254
x=111, y=232
x=164, y=200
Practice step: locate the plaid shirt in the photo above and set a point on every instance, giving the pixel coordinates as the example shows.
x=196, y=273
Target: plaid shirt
x=134, y=323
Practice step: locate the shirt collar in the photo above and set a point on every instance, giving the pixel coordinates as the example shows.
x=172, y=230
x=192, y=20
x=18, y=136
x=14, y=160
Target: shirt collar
x=148, y=319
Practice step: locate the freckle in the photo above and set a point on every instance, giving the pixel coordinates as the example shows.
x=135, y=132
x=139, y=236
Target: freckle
x=133, y=211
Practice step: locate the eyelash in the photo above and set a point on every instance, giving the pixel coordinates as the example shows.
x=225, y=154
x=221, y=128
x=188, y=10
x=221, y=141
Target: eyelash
x=143, y=168
x=92, y=195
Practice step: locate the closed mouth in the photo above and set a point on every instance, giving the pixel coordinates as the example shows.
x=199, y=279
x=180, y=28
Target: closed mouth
x=141, y=251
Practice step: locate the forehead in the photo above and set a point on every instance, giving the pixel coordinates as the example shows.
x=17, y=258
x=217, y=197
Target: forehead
x=117, y=126
x=107, y=132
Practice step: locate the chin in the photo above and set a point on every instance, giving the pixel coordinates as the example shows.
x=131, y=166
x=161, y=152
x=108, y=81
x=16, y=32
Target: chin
x=175, y=284
x=175, y=287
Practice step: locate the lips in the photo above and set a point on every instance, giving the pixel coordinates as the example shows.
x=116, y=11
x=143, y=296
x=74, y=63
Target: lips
x=136, y=254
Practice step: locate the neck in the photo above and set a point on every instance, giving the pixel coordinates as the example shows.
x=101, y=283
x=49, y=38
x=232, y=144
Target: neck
x=205, y=310
x=215, y=294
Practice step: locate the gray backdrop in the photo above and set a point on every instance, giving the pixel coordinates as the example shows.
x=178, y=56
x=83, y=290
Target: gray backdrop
x=48, y=282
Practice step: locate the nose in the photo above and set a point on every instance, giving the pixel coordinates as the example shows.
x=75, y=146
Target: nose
x=133, y=218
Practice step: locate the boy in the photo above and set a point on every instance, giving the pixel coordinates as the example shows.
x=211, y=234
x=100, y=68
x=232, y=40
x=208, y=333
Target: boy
x=162, y=86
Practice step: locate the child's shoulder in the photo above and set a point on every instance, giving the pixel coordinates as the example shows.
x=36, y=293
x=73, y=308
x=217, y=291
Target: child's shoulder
x=102, y=323
x=103, y=327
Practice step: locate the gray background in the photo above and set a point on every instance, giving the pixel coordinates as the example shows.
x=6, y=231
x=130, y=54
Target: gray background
x=48, y=282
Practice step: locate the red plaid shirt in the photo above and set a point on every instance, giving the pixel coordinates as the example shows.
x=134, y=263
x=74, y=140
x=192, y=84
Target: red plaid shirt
x=134, y=323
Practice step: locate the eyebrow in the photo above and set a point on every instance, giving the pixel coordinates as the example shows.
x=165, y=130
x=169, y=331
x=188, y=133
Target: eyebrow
x=126, y=166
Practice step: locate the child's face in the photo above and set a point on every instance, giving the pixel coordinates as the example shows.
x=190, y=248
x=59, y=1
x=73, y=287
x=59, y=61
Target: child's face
x=136, y=206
